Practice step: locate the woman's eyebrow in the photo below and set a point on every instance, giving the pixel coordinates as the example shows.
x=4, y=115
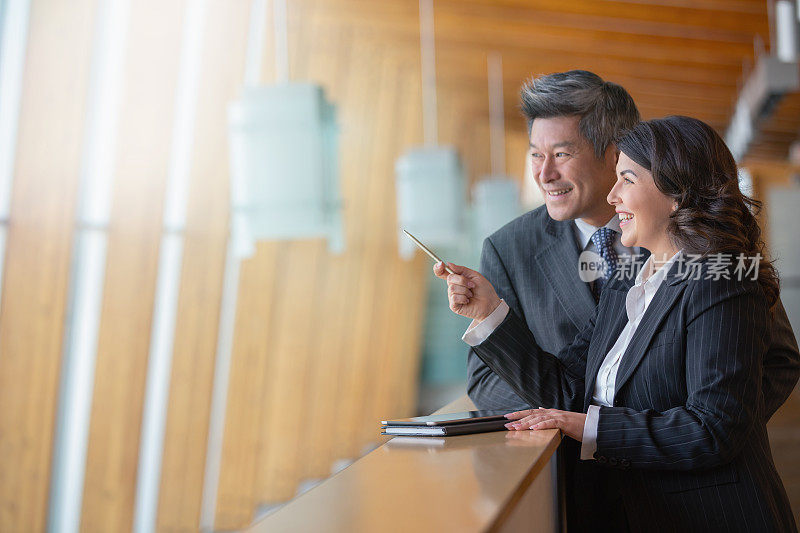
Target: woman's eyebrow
x=631, y=172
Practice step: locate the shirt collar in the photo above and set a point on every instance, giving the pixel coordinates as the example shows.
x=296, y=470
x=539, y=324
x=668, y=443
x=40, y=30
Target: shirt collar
x=586, y=230
x=656, y=279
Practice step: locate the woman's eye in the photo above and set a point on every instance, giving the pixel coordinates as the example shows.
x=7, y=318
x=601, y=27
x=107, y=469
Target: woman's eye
x=627, y=180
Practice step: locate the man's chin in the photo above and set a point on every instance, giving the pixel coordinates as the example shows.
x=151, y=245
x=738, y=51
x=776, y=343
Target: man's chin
x=560, y=212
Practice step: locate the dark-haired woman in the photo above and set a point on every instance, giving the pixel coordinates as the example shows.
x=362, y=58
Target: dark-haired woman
x=663, y=385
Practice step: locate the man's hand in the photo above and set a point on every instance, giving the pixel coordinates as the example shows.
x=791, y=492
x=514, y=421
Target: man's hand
x=469, y=293
x=567, y=421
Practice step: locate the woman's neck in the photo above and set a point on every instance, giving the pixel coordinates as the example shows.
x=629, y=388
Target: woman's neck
x=658, y=257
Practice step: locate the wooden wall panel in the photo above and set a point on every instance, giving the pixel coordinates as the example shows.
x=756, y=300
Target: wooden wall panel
x=250, y=368
x=330, y=312
x=51, y=127
x=380, y=247
x=367, y=299
x=143, y=155
x=405, y=291
x=356, y=114
x=404, y=387
x=183, y=464
x=287, y=387
x=332, y=318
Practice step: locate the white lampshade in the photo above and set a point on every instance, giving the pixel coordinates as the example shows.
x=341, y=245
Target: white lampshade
x=284, y=166
x=431, y=198
x=495, y=203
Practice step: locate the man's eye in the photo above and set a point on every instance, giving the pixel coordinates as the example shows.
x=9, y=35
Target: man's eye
x=562, y=154
x=536, y=156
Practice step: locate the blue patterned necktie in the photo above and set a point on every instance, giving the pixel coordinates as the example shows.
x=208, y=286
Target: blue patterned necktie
x=603, y=240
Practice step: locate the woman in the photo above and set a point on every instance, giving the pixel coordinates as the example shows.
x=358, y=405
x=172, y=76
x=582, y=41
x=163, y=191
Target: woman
x=662, y=386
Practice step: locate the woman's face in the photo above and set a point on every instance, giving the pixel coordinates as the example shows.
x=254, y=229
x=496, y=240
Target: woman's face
x=643, y=210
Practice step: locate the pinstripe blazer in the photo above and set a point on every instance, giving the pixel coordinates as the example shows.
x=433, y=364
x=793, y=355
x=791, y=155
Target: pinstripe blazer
x=532, y=262
x=684, y=447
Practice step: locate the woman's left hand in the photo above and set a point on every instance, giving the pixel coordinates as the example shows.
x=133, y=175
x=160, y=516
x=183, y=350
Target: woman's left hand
x=568, y=422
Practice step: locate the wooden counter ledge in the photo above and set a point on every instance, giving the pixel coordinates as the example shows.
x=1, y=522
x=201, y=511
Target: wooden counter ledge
x=498, y=481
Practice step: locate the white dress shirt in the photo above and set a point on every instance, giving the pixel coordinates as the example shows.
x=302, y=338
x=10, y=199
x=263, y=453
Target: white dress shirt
x=636, y=302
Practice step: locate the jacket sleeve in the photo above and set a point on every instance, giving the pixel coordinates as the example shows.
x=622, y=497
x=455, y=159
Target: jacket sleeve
x=485, y=388
x=539, y=378
x=781, y=363
x=726, y=326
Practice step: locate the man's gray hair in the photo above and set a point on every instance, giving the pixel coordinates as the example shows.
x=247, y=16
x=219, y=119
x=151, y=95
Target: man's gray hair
x=605, y=108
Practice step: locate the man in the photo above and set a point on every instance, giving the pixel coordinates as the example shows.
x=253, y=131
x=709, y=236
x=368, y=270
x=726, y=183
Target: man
x=532, y=262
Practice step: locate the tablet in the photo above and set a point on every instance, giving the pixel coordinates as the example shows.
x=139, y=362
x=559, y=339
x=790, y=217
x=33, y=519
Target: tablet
x=446, y=419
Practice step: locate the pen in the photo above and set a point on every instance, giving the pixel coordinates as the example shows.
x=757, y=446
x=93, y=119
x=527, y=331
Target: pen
x=429, y=252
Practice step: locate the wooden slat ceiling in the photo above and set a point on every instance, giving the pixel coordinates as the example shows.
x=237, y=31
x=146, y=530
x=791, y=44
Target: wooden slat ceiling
x=674, y=56
x=777, y=133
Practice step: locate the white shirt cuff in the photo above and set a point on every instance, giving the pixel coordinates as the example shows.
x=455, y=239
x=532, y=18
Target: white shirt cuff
x=477, y=332
x=589, y=441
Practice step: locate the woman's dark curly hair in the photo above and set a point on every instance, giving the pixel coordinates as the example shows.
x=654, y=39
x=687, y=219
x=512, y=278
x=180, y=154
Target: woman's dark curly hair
x=691, y=164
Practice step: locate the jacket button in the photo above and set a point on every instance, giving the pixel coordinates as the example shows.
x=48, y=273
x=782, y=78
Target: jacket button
x=602, y=459
x=625, y=463
x=612, y=461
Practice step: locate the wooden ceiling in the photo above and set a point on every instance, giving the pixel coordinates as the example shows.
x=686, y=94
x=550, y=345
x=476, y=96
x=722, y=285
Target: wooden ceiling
x=776, y=133
x=673, y=56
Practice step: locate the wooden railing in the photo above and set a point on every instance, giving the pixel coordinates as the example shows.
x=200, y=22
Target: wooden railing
x=498, y=481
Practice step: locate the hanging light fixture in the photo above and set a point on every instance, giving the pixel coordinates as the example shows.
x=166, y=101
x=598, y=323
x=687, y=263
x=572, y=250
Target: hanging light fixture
x=284, y=166
x=283, y=155
x=495, y=197
x=430, y=183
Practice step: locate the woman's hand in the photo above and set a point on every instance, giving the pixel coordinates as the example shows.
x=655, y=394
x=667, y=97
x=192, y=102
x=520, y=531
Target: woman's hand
x=469, y=293
x=567, y=421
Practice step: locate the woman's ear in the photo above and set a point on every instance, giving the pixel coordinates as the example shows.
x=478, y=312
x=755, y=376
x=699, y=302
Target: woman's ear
x=675, y=205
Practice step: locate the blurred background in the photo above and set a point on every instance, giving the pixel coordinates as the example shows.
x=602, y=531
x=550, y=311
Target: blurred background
x=206, y=303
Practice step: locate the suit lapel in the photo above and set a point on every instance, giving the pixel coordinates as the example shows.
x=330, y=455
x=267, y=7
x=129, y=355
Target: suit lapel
x=666, y=296
x=558, y=262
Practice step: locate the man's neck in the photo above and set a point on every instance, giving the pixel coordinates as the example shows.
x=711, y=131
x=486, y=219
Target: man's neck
x=600, y=216
x=596, y=223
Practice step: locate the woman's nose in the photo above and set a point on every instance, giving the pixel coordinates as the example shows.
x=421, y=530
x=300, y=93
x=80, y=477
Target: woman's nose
x=613, y=197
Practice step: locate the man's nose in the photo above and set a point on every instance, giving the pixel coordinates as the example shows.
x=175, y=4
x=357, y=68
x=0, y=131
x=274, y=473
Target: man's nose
x=548, y=172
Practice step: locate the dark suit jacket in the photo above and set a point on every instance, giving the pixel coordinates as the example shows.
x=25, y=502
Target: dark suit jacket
x=685, y=444
x=532, y=262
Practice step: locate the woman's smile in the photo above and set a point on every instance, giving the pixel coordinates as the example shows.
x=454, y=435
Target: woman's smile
x=625, y=218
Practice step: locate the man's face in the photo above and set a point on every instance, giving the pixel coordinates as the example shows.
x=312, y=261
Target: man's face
x=573, y=181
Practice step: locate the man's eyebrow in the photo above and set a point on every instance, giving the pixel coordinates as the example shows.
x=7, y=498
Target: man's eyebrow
x=561, y=144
